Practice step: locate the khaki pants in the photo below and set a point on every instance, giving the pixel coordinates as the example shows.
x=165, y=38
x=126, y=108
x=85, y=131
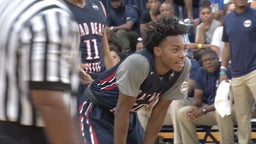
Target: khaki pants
x=170, y=119
x=243, y=88
x=188, y=128
x=125, y=40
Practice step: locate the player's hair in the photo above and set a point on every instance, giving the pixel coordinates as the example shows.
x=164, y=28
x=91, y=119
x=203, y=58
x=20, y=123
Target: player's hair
x=157, y=31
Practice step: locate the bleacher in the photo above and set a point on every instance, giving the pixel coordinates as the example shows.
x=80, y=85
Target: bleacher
x=138, y=3
x=206, y=134
x=141, y=4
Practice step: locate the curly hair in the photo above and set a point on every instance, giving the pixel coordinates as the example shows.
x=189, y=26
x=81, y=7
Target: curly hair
x=157, y=31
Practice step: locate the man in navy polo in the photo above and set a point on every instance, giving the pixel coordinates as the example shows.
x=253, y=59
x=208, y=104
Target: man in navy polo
x=239, y=35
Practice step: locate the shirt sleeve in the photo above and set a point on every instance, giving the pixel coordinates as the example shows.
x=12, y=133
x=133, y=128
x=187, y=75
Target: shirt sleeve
x=131, y=14
x=145, y=17
x=180, y=89
x=131, y=74
x=216, y=38
x=54, y=50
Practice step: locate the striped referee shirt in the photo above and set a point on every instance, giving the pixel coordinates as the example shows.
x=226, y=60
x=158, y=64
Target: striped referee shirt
x=39, y=46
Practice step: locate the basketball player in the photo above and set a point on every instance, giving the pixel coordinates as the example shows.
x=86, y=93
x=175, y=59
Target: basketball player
x=160, y=71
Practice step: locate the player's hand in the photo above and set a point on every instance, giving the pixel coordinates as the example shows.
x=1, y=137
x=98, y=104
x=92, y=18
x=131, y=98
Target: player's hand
x=85, y=78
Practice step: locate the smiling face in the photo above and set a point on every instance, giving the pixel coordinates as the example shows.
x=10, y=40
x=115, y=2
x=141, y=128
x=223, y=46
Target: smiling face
x=170, y=54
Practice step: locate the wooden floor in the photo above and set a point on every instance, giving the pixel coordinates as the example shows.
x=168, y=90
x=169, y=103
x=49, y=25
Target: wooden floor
x=169, y=135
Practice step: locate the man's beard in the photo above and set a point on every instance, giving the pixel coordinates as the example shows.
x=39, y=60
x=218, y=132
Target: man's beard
x=118, y=9
x=242, y=6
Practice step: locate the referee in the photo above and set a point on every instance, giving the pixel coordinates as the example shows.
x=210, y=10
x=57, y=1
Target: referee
x=39, y=42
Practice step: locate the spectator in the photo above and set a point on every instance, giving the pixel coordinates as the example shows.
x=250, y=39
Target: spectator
x=217, y=35
x=38, y=52
x=202, y=111
x=123, y=22
x=205, y=29
x=139, y=45
x=150, y=14
x=166, y=9
x=156, y=72
x=239, y=37
x=186, y=8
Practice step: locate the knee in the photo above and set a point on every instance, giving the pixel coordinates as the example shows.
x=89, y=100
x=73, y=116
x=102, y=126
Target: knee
x=181, y=114
x=121, y=33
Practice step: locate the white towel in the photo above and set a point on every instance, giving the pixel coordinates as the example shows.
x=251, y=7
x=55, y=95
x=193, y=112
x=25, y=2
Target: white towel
x=223, y=99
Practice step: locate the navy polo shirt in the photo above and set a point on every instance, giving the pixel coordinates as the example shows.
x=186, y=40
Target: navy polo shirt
x=129, y=14
x=208, y=82
x=240, y=31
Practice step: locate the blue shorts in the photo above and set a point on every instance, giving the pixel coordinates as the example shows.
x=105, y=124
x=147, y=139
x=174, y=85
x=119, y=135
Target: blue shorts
x=97, y=125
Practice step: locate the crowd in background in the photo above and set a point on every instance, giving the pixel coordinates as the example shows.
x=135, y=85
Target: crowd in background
x=204, y=20
x=142, y=64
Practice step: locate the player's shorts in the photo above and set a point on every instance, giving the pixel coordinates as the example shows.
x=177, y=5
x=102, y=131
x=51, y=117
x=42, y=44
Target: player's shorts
x=97, y=125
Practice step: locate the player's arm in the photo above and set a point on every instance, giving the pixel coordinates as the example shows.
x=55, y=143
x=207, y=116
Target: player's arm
x=156, y=120
x=108, y=60
x=124, y=105
x=128, y=81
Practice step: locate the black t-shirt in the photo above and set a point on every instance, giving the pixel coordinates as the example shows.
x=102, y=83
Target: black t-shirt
x=145, y=17
x=181, y=2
